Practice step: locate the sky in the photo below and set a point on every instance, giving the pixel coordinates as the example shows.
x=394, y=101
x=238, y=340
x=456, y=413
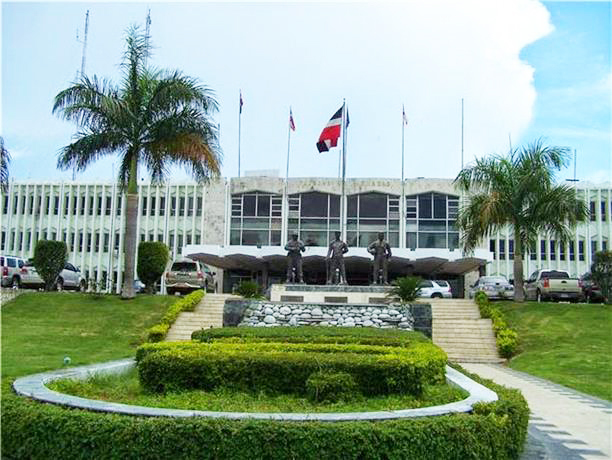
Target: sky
x=525, y=70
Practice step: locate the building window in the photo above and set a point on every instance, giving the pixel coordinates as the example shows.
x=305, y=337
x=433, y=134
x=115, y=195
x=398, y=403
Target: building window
x=82, y=205
x=581, y=250
x=542, y=250
x=173, y=206
x=5, y=205
x=89, y=238
x=108, y=205
x=553, y=250
x=15, y=203
x=56, y=205
x=190, y=206
x=197, y=239
x=199, y=203
x=502, y=249
x=75, y=205
x=99, y=210
x=97, y=247
x=431, y=221
x=562, y=251
x=592, y=211
x=162, y=206
x=492, y=249
x=593, y=248
x=144, y=205
x=603, y=208
x=106, y=241
x=182, y=206
x=119, y=204
x=92, y=202
x=31, y=204
x=371, y=213
x=2, y=246
x=511, y=249
x=256, y=219
x=572, y=255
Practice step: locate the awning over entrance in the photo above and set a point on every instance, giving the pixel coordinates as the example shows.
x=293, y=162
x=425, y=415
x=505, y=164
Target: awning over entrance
x=273, y=259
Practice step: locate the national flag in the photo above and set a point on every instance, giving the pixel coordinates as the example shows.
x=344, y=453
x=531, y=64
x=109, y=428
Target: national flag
x=330, y=134
x=241, y=101
x=404, y=116
x=291, y=122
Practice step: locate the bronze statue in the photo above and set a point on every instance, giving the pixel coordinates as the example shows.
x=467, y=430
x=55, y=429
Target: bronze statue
x=294, y=259
x=335, y=260
x=381, y=251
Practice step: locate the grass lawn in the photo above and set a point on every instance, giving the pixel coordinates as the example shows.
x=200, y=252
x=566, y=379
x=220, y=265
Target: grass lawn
x=570, y=344
x=39, y=329
x=126, y=389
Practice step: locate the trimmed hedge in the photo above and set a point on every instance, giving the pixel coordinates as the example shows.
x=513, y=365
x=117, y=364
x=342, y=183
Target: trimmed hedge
x=505, y=338
x=34, y=430
x=158, y=332
x=152, y=260
x=362, y=335
x=285, y=368
x=49, y=259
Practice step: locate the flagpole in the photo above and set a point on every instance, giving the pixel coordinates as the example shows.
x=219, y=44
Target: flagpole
x=239, y=129
x=403, y=200
x=461, y=133
x=342, y=199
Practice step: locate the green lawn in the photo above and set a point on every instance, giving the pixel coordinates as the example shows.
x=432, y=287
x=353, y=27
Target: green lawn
x=126, y=389
x=570, y=344
x=40, y=329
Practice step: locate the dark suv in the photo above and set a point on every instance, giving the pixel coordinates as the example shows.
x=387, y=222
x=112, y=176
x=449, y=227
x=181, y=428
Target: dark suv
x=592, y=292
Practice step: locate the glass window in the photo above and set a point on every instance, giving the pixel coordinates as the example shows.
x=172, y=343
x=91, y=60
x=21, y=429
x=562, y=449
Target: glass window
x=581, y=250
x=334, y=205
x=352, y=206
x=425, y=206
x=248, y=205
x=182, y=206
x=439, y=203
x=263, y=205
x=199, y=206
x=592, y=210
x=432, y=240
x=314, y=204
x=553, y=250
x=373, y=205
x=144, y=205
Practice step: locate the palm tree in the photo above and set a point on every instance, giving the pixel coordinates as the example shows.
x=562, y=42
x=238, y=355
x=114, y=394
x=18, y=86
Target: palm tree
x=518, y=191
x=5, y=159
x=153, y=118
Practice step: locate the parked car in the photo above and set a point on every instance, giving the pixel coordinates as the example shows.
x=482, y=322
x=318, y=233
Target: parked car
x=11, y=267
x=552, y=285
x=435, y=289
x=69, y=278
x=186, y=275
x=139, y=286
x=590, y=290
x=495, y=287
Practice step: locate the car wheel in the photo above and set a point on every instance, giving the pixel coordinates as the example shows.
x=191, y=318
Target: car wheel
x=60, y=284
x=436, y=295
x=538, y=296
x=16, y=283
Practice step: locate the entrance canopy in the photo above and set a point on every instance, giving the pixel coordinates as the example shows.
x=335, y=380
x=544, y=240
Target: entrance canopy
x=403, y=262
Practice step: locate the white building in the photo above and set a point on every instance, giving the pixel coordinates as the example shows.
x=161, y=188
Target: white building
x=241, y=226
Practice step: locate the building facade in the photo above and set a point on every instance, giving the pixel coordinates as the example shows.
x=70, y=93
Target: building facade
x=241, y=225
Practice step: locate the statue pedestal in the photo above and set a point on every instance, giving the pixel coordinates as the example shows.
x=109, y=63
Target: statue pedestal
x=329, y=294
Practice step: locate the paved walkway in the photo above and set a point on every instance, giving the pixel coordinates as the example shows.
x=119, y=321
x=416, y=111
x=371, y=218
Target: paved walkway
x=564, y=424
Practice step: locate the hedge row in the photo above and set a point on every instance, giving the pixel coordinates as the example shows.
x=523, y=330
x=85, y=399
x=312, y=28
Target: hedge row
x=505, y=338
x=35, y=430
x=158, y=332
x=285, y=368
x=361, y=335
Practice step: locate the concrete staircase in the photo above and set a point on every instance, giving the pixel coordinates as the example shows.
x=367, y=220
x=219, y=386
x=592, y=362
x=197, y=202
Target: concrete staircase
x=461, y=333
x=208, y=313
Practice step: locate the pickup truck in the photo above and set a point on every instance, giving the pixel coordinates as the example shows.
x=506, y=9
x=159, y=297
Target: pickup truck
x=552, y=285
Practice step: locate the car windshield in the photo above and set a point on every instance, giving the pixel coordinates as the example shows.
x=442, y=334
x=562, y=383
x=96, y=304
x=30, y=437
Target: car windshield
x=554, y=275
x=184, y=267
x=493, y=280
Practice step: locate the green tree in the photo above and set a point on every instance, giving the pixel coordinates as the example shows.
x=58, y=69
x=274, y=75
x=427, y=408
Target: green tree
x=406, y=288
x=518, y=191
x=152, y=261
x=50, y=259
x=5, y=159
x=601, y=271
x=152, y=119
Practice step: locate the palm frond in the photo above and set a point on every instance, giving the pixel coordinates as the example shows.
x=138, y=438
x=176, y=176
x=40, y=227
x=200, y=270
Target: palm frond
x=89, y=147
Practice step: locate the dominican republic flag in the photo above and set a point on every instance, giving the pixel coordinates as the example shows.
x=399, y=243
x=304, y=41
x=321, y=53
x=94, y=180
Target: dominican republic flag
x=291, y=122
x=330, y=134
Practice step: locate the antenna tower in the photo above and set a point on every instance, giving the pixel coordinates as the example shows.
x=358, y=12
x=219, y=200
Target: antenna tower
x=81, y=74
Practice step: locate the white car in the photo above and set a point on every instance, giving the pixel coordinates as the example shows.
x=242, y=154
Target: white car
x=69, y=278
x=495, y=287
x=435, y=289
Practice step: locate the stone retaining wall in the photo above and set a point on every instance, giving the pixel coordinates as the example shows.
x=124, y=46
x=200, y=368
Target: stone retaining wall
x=270, y=314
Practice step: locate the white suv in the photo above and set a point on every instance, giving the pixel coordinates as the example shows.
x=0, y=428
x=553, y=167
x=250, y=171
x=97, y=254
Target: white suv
x=435, y=289
x=11, y=267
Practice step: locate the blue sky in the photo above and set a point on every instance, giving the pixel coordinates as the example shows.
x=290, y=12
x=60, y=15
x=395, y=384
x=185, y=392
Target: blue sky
x=525, y=69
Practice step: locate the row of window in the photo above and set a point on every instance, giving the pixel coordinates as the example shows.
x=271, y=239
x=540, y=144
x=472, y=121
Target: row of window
x=88, y=241
x=101, y=205
x=602, y=209
x=555, y=250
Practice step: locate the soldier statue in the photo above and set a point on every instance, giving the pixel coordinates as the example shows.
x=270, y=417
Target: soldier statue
x=381, y=251
x=294, y=248
x=335, y=260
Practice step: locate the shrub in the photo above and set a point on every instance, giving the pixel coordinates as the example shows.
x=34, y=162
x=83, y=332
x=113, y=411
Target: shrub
x=331, y=386
x=506, y=339
x=152, y=261
x=50, y=259
x=158, y=332
x=284, y=368
x=601, y=271
x=33, y=430
x=406, y=288
x=249, y=290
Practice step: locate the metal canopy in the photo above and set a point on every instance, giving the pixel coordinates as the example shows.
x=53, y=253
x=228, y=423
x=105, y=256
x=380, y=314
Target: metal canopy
x=357, y=260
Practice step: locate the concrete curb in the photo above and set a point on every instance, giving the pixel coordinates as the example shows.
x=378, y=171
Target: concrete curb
x=34, y=386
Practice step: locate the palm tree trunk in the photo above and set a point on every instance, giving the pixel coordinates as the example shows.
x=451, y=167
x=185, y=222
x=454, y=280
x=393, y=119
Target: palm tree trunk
x=519, y=293
x=129, y=248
